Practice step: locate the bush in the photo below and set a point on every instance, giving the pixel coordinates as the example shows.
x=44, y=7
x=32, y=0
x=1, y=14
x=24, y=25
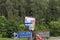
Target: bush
x=54, y=28
x=7, y=26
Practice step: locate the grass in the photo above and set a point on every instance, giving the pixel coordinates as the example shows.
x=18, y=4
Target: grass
x=13, y=39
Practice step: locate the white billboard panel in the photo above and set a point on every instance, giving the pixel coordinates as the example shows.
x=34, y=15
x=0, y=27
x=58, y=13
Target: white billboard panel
x=30, y=22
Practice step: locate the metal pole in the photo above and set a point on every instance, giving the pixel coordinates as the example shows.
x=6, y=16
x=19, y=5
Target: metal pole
x=31, y=38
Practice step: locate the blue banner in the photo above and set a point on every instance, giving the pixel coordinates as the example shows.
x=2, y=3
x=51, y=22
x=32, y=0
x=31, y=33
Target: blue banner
x=24, y=34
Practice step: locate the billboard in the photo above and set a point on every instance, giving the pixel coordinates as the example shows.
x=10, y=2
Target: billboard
x=24, y=34
x=43, y=33
x=30, y=22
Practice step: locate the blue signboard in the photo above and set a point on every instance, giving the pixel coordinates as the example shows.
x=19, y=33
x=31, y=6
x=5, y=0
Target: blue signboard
x=24, y=34
x=28, y=23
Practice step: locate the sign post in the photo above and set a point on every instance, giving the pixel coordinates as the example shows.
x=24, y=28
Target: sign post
x=30, y=23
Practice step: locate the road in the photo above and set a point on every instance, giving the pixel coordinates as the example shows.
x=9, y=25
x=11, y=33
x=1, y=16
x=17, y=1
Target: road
x=54, y=38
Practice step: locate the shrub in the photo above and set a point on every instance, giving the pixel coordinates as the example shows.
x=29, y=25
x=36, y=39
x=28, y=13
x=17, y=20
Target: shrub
x=54, y=28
